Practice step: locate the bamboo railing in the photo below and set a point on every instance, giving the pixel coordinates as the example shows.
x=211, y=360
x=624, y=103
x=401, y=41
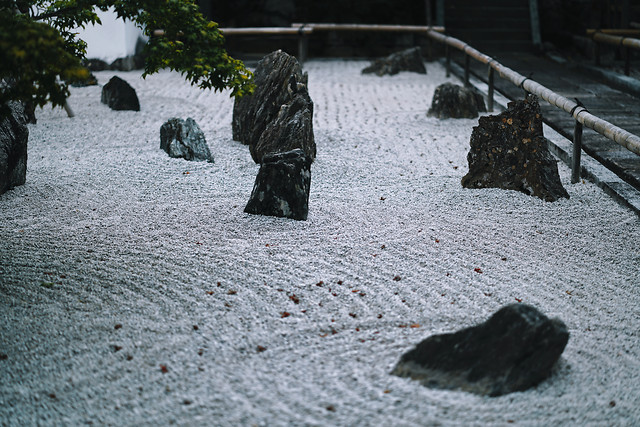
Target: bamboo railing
x=618, y=38
x=582, y=117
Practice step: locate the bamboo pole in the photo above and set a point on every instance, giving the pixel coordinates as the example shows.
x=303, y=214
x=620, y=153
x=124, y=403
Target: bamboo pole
x=370, y=27
x=616, y=40
x=628, y=140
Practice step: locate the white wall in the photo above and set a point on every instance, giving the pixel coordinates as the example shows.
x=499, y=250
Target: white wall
x=113, y=39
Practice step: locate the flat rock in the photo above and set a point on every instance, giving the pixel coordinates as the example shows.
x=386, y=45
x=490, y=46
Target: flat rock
x=509, y=151
x=406, y=60
x=457, y=102
x=278, y=78
x=184, y=139
x=512, y=351
x=282, y=186
x=14, y=135
x=119, y=95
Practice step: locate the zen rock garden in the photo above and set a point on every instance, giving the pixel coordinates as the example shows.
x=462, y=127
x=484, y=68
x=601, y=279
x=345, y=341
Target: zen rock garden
x=457, y=102
x=119, y=95
x=184, y=139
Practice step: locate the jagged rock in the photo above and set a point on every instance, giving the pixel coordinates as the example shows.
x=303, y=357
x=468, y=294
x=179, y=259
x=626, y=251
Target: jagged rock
x=406, y=60
x=282, y=186
x=512, y=351
x=454, y=101
x=279, y=80
x=184, y=139
x=509, y=151
x=291, y=128
x=90, y=80
x=118, y=95
x=13, y=146
x=95, y=64
x=128, y=63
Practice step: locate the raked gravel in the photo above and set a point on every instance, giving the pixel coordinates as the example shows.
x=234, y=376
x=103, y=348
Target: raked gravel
x=134, y=290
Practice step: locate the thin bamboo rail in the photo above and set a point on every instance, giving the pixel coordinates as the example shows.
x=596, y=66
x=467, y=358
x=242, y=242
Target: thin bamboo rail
x=369, y=27
x=580, y=114
x=616, y=40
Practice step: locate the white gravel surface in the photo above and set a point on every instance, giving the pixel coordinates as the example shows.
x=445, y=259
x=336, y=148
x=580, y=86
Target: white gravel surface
x=134, y=290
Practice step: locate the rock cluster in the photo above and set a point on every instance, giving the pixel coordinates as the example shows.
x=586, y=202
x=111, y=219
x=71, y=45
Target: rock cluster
x=184, y=139
x=509, y=151
x=512, y=351
x=454, y=101
x=406, y=60
x=13, y=146
x=119, y=95
x=280, y=105
x=282, y=186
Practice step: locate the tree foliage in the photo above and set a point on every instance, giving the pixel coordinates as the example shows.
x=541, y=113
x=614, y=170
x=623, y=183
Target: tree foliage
x=39, y=50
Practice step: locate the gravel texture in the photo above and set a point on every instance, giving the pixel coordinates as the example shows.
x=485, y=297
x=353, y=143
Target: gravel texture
x=134, y=290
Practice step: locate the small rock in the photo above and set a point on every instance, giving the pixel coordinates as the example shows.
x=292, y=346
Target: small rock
x=454, y=101
x=406, y=60
x=95, y=64
x=14, y=135
x=184, y=139
x=90, y=80
x=118, y=95
x=282, y=186
x=128, y=63
x=512, y=351
x=509, y=151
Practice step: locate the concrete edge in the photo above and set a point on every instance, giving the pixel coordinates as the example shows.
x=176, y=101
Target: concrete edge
x=592, y=170
x=616, y=80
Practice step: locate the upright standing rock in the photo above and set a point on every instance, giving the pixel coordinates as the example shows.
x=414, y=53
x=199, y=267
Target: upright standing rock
x=13, y=147
x=279, y=81
x=119, y=95
x=509, y=151
x=184, y=139
x=406, y=60
x=512, y=351
x=457, y=102
x=282, y=186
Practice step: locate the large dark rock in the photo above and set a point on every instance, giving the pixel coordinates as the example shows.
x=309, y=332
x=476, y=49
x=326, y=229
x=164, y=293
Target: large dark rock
x=95, y=64
x=512, y=351
x=279, y=81
x=292, y=128
x=406, y=60
x=454, y=101
x=13, y=146
x=118, y=95
x=184, y=139
x=128, y=63
x=509, y=151
x=282, y=186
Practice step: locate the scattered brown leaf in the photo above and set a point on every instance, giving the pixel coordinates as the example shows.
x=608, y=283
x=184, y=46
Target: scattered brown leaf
x=260, y=349
x=164, y=369
x=414, y=325
x=284, y=314
x=232, y=292
x=353, y=315
x=519, y=299
x=117, y=326
x=117, y=348
x=397, y=278
x=478, y=270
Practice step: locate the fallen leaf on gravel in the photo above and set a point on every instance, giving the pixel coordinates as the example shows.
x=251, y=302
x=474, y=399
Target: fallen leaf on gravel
x=232, y=292
x=387, y=391
x=478, y=270
x=295, y=299
x=209, y=292
x=519, y=299
x=415, y=325
x=487, y=294
x=129, y=357
x=383, y=198
x=260, y=349
x=353, y=315
x=397, y=278
x=402, y=326
x=53, y=395
x=612, y=403
x=331, y=408
x=117, y=348
x=226, y=304
x=47, y=285
x=382, y=247
x=200, y=352
x=339, y=282
x=379, y=316
x=195, y=327
x=187, y=402
x=117, y=326
x=320, y=283
x=163, y=369
x=284, y=314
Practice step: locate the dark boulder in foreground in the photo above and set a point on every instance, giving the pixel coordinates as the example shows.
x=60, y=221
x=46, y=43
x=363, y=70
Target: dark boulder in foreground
x=282, y=186
x=292, y=128
x=457, y=102
x=184, y=139
x=119, y=95
x=406, y=60
x=13, y=146
x=509, y=151
x=280, y=84
x=512, y=351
